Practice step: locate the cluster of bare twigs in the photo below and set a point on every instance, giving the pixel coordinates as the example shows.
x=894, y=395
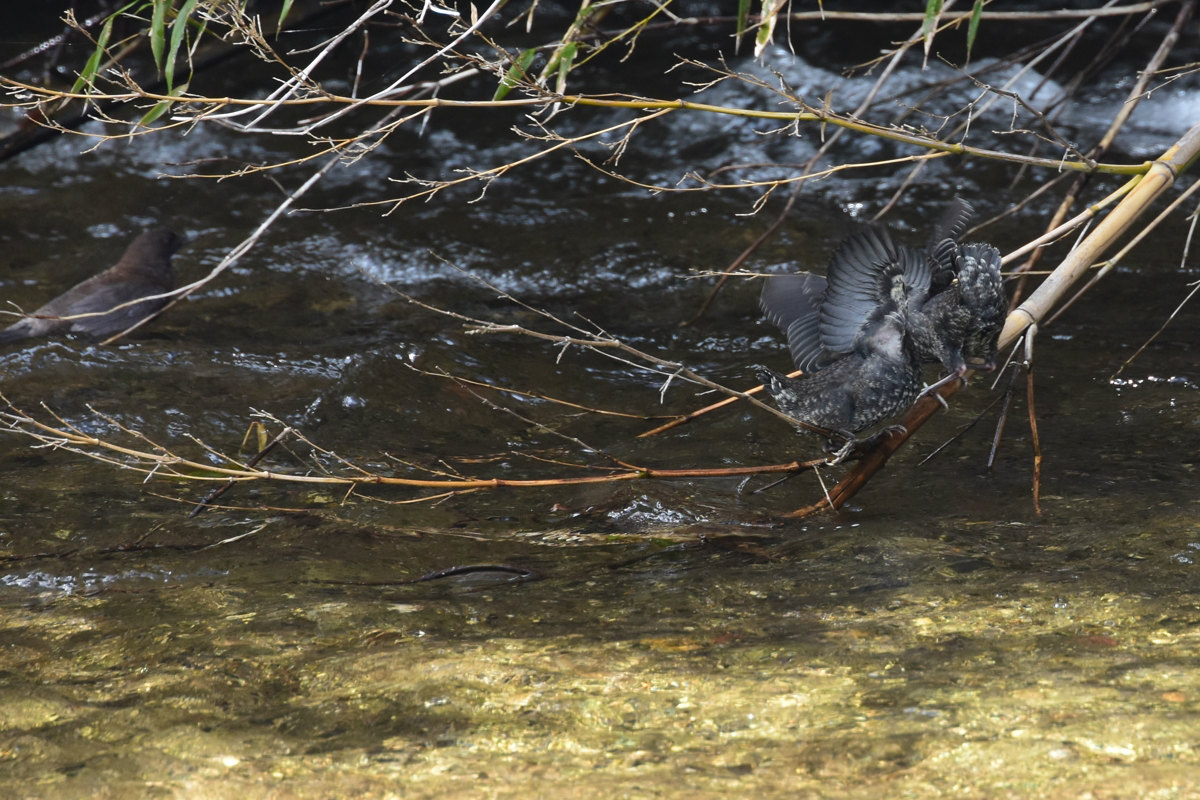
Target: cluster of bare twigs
x=462, y=60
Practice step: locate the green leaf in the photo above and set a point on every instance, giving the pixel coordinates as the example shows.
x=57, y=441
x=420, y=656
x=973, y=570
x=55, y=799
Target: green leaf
x=150, y=116
x=178, y=28
x=161, y=107
x=158, y=30
x=973, y=26
x=742, y=18
x=766, y=26
x=515, y=73
x=283, y=12
x=566, y=56
x=586, y=10
x=88, y=73
x=933, y=10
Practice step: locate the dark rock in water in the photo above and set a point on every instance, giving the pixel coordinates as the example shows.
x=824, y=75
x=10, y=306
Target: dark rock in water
x=144, y=270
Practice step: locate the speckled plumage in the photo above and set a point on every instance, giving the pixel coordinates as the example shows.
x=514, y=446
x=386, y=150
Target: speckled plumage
x=857, y=391
x=143, y=270
x=861, y=333
x=823, y=318
x=952, y=296
x=958, y=314
x=982, y=291
x=852, y=341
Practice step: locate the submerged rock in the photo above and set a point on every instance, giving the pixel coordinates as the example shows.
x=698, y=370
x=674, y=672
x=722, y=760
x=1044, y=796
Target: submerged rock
x=144, y=270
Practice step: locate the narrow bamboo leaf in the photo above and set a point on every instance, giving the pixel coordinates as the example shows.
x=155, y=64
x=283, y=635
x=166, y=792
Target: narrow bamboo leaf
x=88, y=73
x=283, y=12
x=564, y=54
x=158, y=30
x=150, y=116
x=515, y=73
x=933, y=10
x=565, y=59
x=586, y=10
x=973, y=26
x=178, y=29
x=766, y=28
x=162, y=107
x=742, y=18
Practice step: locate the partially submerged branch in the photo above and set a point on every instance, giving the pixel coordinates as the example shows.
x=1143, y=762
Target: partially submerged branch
x=154, y=460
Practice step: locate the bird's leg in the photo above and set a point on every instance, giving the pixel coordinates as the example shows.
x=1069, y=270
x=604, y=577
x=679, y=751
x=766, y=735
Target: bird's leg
x=842, y=453
x=883, y=433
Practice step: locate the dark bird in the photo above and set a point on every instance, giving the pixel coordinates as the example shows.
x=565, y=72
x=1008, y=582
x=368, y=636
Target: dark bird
x=144, y=270
x=956, y=312
x=951, y=293
x=822, y=318
x=849, y=332
x=982, y=289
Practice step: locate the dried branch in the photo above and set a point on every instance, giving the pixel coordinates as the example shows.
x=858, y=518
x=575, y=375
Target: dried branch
x=202, y=108
x=1136, y=94
x=159, y=461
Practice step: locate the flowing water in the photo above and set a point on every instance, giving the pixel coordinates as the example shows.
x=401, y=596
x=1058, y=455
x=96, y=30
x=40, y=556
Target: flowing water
x=674, y=638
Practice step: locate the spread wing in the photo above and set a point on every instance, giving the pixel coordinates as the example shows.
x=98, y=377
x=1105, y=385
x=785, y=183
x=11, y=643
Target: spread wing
x=860, y=288
x=943, y=240
x=953, y=222
x=793, y=303
x=918, y=269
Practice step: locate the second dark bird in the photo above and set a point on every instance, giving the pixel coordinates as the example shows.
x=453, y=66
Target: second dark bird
x=144, y=270
x=958, y=310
